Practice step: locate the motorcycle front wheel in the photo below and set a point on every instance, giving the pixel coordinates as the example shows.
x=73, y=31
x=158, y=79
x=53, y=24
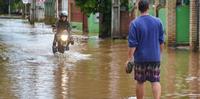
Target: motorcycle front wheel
x=61, y=48
x=54, y=49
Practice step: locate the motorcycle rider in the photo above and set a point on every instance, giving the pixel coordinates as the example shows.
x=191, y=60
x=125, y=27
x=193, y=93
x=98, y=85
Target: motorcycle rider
x=61, y=25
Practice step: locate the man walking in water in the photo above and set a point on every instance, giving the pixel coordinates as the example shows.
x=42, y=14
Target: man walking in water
x=146, y=41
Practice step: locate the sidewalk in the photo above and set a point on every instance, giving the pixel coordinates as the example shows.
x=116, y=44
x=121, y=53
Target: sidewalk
x=10, y=17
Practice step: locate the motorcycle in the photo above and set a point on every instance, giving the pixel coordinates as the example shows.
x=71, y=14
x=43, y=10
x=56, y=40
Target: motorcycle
x=64, y=39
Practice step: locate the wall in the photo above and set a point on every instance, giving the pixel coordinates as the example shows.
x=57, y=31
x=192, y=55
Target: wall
x=193, y=23
x=74, y=12
x=171, y=22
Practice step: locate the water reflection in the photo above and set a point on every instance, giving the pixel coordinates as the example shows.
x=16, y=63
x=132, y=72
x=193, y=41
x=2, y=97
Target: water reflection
x=120, y=85
x=62, y=78
x=180, y=74
x=193, y=78
x=5, y=82
x=168, y=68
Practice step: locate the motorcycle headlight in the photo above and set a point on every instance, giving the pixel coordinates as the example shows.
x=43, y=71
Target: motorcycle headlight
x=64, y=37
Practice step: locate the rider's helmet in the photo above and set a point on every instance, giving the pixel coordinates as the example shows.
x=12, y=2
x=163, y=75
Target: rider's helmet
x=63, y=14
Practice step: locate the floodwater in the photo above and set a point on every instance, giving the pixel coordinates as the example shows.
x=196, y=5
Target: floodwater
x=92, y=69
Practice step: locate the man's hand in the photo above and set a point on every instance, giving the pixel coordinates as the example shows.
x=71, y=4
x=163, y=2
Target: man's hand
x=129, y=67
x=130, y=58
x=161, y=47
x=126, y=64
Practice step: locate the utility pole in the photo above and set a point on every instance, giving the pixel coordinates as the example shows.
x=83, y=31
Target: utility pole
x=115, y=27
x=33, y=8
x=65, y=5
x=57, y=9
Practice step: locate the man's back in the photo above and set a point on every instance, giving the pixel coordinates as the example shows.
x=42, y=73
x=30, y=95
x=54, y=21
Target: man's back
x=146, y=35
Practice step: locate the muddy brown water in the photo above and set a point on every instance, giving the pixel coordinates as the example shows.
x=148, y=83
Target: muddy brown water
x=93, y=69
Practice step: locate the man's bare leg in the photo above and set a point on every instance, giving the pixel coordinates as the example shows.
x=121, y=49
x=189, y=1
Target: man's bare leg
x=140, y=90
x=156, y=88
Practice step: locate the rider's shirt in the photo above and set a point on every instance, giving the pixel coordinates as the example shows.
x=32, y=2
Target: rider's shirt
x=62, y=25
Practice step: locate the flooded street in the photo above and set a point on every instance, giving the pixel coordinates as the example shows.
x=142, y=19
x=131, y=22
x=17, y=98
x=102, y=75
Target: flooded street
x=93, y=69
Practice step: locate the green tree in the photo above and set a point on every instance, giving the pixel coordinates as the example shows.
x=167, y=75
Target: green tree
x=15, y=4
x=3, y=6
x=103, y=7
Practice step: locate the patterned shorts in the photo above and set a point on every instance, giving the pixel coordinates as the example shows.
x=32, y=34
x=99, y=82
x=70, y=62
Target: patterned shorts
x=148, y=71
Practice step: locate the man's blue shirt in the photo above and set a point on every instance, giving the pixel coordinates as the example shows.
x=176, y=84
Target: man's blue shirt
x=146, y=34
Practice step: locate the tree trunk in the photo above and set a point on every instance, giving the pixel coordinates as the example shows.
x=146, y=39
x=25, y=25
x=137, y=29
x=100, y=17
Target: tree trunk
x=23, y=11
x=85, y=25
x=105, y=25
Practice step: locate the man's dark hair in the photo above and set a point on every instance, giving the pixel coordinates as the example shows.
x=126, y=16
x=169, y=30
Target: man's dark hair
x=143, y=5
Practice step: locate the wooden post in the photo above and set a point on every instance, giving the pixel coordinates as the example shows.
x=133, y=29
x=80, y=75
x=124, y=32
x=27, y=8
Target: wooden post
x=115, y=23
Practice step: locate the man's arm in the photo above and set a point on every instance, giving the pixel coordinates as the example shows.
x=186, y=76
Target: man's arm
x=132, y=41
x=161, y=47
x=131, y=52
x=161, y=37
